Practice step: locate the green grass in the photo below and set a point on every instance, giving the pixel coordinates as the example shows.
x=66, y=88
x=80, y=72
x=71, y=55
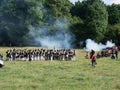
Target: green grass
x=60, y=75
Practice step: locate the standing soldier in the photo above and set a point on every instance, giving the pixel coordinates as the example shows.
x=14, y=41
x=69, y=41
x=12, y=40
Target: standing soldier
x=14, y=54
x=1, y=61
x=94, y=60
x=30, y=55
x=116, y=52
x=113, y=52
x=92, y=53
x=74, y=55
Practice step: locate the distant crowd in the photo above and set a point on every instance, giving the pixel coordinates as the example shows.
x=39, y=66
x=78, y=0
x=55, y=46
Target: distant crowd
x=40, y=54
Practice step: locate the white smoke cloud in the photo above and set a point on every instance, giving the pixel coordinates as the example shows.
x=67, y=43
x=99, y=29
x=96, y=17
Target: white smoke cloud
x=109, y=44
x=90, y=44
x=60, y=38
x=108, y=2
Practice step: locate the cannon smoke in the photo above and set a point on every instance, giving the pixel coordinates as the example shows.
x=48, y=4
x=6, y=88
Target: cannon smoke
x=90, y=44
x=61, y=37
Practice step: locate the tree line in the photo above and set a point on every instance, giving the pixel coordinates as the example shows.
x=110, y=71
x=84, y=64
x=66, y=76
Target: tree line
x=87, y=19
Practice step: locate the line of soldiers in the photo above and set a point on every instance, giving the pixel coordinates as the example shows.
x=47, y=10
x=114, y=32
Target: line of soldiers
x=107, y=52
x=40, y=54
x=113, y=52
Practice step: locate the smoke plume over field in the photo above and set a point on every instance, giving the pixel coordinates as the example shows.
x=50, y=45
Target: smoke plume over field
x=90, y=44
x=58, y=38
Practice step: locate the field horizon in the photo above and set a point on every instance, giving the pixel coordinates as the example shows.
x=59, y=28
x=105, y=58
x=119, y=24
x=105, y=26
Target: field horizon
x=60, y=75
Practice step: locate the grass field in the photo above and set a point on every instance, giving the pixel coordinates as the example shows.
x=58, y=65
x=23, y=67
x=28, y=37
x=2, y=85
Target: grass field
x=60, y=75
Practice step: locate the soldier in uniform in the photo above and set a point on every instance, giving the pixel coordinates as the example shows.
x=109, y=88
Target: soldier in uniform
x=93, y=60
x=14, y=54
x=116, y=52
x=30, y=55
x=92, y=53
x=1, y=61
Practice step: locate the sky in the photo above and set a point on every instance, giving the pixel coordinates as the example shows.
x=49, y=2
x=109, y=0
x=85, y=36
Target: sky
x=108, y=2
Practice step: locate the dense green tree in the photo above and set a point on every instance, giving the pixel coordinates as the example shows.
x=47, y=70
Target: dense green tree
x=16, y=16
x=77, y=26
x=58, y=8
x=114, y=14
x=113, y=33
x=95, y=19
x=57, y=15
